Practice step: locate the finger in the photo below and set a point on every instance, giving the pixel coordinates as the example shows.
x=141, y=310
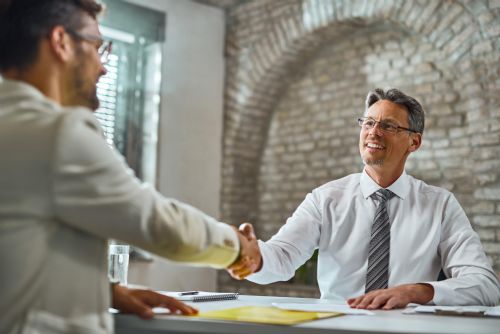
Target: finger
x=248, y=264
x=135, y=306
x=353, y=302
x=247, y=230
x=378, y=302
x=153, y=299
x=242, y=273
x=394, y=303
x=236, y=274
x=176, y=305
x=365, y=301
x=243, y=262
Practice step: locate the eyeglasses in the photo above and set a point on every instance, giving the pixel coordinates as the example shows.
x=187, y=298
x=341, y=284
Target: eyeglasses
x=368, y=123
x=104, y=49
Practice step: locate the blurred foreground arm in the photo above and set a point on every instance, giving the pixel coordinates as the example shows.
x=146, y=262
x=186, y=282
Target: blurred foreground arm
x=95, y=191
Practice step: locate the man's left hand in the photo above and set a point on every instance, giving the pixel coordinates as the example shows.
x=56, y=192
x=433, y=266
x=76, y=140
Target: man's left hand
x=141, y=302
x=396, y=297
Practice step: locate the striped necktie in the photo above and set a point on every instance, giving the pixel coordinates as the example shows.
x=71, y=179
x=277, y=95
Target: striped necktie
x=377, y=275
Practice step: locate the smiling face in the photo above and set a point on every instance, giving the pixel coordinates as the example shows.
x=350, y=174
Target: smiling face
x=385, y=153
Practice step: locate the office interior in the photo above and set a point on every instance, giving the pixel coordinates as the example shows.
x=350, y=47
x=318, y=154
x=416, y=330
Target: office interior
x=242, y=107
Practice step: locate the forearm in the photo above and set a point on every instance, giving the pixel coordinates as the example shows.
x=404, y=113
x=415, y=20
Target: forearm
x=184, y=233
x=96, y=192
x=277, y=264
x=471, y=289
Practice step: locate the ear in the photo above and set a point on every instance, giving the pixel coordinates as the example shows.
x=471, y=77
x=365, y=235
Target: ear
x=61, y=44
x=415, y=141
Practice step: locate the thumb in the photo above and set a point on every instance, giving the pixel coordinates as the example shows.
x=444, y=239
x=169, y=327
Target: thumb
x=247, y=230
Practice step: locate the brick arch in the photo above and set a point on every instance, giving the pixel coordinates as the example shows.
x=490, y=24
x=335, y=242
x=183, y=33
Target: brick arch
x=262, y=72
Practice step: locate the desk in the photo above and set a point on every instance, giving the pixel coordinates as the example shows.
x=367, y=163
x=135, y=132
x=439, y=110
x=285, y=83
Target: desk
x=383, y=322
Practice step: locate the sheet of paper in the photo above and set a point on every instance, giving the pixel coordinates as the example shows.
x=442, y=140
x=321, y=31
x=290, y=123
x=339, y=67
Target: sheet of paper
x=322, y=308
x=493, y=311
x=459, y=310
x=433, y=309
x=266, y=315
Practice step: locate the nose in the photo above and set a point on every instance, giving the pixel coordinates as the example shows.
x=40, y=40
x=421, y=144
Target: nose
x=104, y=70
x=376, y=130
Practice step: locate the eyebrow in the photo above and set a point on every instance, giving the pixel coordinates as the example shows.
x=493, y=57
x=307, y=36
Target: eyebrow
x=384, y=119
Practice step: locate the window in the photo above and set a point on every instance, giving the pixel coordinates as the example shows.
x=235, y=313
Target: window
x=130, y=92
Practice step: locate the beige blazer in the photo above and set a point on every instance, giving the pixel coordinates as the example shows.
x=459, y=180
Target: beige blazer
x=63, y=193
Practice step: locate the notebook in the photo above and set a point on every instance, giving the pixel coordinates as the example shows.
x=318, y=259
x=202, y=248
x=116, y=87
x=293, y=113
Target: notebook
x=265, y=315
x=201, y=296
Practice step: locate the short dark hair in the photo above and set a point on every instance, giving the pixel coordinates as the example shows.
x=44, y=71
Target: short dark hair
x=23, y=23
x=416, y=118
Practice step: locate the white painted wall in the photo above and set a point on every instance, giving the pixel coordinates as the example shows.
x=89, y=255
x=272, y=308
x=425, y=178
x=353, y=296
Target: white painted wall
x=189, y=156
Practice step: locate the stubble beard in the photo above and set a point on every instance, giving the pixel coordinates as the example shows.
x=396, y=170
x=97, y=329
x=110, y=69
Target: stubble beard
x=85, y=92
x=373, y=162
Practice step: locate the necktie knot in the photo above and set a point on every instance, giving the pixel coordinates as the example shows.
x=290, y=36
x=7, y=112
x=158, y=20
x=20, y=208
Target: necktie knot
x=383, y=195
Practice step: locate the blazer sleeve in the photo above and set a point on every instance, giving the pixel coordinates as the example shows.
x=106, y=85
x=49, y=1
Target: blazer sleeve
x=94, y=191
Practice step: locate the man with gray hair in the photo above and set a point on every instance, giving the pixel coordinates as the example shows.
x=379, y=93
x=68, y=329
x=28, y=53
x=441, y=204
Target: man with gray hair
x=383, y=236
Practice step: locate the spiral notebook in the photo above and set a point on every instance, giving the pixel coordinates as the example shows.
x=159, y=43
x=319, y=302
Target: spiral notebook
x=201, y=296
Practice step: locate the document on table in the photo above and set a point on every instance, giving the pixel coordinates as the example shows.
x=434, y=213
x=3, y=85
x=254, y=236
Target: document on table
x=341, y=308
x=457, y=310
x=265, y=315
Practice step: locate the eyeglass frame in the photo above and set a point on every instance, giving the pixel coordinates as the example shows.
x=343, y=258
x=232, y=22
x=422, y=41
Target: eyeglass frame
x=384, y=125
x=104, y=49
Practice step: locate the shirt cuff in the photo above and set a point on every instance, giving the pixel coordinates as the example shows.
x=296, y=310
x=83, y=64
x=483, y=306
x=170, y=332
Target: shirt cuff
x=443, y=294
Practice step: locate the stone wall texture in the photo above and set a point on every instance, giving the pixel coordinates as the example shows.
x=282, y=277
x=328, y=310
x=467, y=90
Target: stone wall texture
x=298, y=72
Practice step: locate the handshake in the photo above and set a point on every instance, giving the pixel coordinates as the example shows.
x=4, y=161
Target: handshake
x=250, y=259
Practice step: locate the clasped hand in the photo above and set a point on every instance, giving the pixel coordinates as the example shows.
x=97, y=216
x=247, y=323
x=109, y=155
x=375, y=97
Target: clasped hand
x=250, y=259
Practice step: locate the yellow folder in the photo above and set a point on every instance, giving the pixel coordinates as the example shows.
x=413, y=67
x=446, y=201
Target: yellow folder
x=265, y=315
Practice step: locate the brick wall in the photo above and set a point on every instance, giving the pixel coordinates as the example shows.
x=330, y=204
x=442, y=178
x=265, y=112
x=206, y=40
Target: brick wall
x=297, y=75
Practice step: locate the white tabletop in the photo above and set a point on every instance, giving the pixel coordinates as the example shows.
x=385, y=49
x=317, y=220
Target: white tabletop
x=382, y=322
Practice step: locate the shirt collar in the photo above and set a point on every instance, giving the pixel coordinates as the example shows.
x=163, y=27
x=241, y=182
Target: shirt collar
x=400, y=187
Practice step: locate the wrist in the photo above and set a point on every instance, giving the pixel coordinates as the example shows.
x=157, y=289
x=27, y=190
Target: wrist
x=423, y=293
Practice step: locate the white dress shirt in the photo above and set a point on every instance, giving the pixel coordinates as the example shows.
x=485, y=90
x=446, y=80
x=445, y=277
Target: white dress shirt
x=429, y=231
x=63, y=193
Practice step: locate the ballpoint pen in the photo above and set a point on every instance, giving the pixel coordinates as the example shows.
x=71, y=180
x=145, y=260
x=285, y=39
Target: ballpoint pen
x=188, y=293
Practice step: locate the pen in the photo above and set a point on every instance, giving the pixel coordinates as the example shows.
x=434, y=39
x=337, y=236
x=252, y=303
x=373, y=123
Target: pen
x=188, y=293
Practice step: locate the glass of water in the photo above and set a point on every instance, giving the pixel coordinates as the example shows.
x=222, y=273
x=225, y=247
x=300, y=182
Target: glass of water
x=118, y=263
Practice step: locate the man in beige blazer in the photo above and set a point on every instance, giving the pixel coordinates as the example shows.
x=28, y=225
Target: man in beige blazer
x=64, y=192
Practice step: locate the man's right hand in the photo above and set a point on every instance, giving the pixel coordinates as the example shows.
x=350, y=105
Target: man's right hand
x=250, y=259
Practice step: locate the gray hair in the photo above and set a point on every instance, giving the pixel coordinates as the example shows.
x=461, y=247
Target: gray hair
x=414, y=108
